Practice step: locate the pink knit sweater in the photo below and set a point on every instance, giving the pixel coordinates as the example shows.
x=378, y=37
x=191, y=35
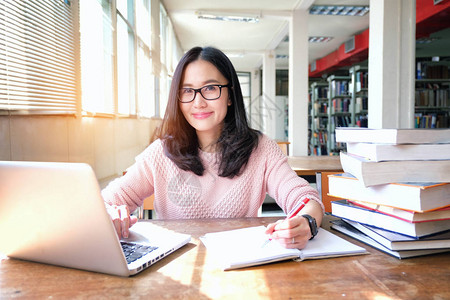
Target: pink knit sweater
x=184, y=195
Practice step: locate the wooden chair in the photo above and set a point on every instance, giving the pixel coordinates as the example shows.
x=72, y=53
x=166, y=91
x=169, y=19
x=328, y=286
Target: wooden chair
x=322, y=187
x=284, y=147
x=147, y=207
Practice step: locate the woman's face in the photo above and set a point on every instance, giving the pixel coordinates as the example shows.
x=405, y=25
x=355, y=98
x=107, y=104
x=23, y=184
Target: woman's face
x=206, y=116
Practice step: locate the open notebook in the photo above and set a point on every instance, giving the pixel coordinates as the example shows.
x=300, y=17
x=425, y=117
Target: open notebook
x=241, y=248
x=53, y=213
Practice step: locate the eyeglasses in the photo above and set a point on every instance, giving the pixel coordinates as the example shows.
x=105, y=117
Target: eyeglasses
x=208, y=92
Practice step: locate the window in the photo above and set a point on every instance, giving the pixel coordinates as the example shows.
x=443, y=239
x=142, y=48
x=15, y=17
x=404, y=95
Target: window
x=169, y=56
x=117, y=74
x=45, y=69
x=244, y=80
x=146, y=78
x=163, y=23
x=126, y=87
x=146, y=86
x=97, y=57
x=143, y=21
x=37, y=58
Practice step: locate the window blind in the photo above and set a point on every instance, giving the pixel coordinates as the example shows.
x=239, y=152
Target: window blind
x=37, y=57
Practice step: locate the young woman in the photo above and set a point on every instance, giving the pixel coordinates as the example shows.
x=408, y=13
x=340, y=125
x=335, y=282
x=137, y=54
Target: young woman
x=208, y=162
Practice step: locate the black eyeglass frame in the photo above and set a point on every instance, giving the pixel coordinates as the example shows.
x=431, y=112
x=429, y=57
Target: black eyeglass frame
x=199, y=90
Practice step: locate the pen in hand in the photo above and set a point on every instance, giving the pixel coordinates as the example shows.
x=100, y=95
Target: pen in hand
x=297, y=208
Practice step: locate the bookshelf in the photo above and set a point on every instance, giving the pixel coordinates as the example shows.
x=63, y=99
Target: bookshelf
x=339, y=114
x=319, y=118
x=432, y=103
x=359, y=96
x=347, y=103
x=309, y=119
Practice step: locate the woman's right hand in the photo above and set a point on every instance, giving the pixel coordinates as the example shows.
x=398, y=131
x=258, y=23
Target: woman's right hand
x=120, y=216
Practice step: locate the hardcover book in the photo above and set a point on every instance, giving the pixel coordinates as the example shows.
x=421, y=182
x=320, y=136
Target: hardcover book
x=345, y=210
x=372, y=173
x=347, y=229
x=414, y=196
x=407, y=215
x=386, y=152
x=393, y=136
x=396, y=242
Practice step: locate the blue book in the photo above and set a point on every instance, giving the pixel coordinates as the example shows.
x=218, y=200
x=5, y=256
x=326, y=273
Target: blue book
x=346, y=210
x=347, y=229
x=395, y=241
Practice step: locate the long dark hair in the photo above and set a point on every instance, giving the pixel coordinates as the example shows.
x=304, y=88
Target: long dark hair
x=237, y=140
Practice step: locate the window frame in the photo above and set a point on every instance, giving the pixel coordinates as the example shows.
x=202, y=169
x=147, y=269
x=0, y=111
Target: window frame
x=140, y=103
x=38, y=58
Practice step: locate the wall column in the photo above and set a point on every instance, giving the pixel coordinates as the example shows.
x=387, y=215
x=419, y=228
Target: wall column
x=298, y=82
x=268, y=97
x=255, y=103
x=391, y=63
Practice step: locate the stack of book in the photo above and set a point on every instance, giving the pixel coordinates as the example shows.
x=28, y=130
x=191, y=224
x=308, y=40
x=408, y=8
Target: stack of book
x=395, y=192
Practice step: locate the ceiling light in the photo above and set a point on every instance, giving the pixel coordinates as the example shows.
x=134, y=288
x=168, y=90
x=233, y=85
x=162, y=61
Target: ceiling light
x=235, y=17
x=425, y=40
x=319, y=39
x=234, y=54
x=339, y=10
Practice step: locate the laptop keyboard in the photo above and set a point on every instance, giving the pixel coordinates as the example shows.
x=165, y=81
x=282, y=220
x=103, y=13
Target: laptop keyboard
x=135, y=251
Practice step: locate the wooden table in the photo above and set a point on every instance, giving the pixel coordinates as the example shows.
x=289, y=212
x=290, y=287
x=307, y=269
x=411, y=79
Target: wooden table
x=310, y=165
x=190, y=274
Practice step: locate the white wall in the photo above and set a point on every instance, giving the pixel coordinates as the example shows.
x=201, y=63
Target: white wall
x=108, y=145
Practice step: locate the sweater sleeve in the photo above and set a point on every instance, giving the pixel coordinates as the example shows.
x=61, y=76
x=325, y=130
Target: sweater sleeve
x=137, y=184
x=283, y=184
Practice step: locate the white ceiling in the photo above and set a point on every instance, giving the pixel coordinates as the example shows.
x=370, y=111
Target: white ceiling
x=246, y=42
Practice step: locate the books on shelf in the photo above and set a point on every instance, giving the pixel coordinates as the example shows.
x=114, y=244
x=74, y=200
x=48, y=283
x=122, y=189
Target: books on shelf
x=346, y=210
x=321, y=123
x=340, y=120
x=431, y=70
x=372, y=173
x=361, y=121
x=320, y=150
x=340, y=105
x=385, y=152
x=429, y=119
x=395, y=241
x=349, y=230
x=361, y=104
x=362, y=80
x=321, y=107
x=319, y=118
x=339, y=87
x=321, y=90
x=418, y=197
x=241, y=248
x=393, y=136
x=432, y=95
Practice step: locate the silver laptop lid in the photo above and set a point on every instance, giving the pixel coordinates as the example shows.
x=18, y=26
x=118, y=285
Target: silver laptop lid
x=53, y=213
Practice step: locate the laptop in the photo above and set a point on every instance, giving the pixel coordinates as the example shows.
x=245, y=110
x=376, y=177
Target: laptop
x=53, y=213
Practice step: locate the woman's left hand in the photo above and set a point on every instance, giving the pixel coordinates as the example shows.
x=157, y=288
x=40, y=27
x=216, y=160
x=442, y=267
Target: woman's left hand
x=290, y=233
x=121, y=218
